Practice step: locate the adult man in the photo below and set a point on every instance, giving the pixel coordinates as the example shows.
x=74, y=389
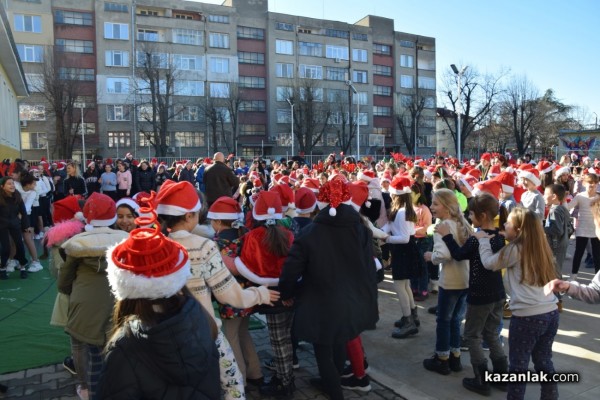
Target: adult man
x=219, y=179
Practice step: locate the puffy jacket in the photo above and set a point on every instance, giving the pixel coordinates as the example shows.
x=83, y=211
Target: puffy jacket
x=145, y=180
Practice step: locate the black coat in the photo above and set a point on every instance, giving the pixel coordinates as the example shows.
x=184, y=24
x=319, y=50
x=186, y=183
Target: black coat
x=175, y=360
x=145, y=180
x=219, y=180
x=334, y=257
x=13, y=213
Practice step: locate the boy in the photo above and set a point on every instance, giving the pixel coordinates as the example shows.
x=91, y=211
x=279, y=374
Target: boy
x=557, y=224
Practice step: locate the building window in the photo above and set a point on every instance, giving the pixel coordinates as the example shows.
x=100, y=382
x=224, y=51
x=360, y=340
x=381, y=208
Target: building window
x=31, y=53
x=311, y=71
x=382, y=90
x=146, y=114
x=116, y=31
x=188, y=62
x=219, y=90
x=252, y=130
x=152, y=60
x=245, y=57
x=336, y=74
x=310, y=49
x=253, y=106
x=150, y=13
x=117, y=58
x=382, y=49
x=284, y=116
x=117, y=85
x=28, y=23
x=284, y=93
x=337, y=33
x=252, y=82
x=72, y=17
x=284, y=47
x=407, y=81
x=427, y=122
x=119, y=139
x=188, y=36
x=360, y=55
x=116, y=7
x=32, y=112
x=183, y=16
x=75, y=46
x=144, y=139
x=219, y=65
x=426, y=83
x=34, y=140
x=147, y=35
x=311, y=94
x=282, y=26
x=336, y=52
x=189, y=139
x=380, y=111
x=189, y=88
x=426, y=63
x=429, y=102
x=337, y=95
x=35, y=82
x=360, y=36
x=76, y=74
x=382, y=131
x=359, y=76
x=361, y=97
x=220, y=19
x=406, y=100
x=117, y=112
x=382, y=70
x=407, y=61
x=284, y=70
x=246, y=32
x=218, y=40
x=407, y=43
x=186, y=113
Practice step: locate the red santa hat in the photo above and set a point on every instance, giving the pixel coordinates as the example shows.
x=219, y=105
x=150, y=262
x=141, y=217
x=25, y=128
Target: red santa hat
x=147, y=265
x=66, y=209
x=154, y=161
x=333, y=193
x=519, y=190
x=225, y=208
x=562, y=171
x=469, y=181
x=400, y=185
x=253, y=175
x=507, y=182
x=494, y=171
x=267, y=206
x=284, y=180
x=359, y=192
x=532, y=174
x=305, y=200
x=486, y=157
x=311, y=183
x=545, y=166
x=276, y=177
x=61, y=165
x=91, y=164
x=257, y=183
x=286, y=194
x=207, y=160
x=99, y=210
x=177, y=198
x=109, y=161
x=491, y=186
x=386, y=177
x=366, y=175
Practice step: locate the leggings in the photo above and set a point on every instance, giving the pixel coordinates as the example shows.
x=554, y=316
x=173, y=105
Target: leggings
x=330, y=361
x=17, y=237
x=356, y=355
x=405, y=296
x=580, y=244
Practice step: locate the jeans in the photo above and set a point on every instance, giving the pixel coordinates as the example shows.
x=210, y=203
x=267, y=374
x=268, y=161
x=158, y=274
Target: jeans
x=450, y=312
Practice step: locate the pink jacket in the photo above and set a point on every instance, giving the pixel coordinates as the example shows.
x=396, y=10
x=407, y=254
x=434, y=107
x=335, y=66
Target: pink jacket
x=124, y=180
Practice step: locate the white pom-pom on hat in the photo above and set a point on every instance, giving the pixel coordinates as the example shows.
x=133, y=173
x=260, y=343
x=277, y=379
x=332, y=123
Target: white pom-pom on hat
x=270, y=211
x=332, y=212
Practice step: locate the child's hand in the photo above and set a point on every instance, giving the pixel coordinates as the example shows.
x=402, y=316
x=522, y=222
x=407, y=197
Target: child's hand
x=427, y=256
x=556, y=285
x=481, y=235
x=442, y=229
x=273, y=296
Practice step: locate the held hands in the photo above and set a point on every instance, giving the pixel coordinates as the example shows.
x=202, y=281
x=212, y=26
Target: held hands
x=557, y=286
x=427, y=256
x=442, y=229
x=273, y=296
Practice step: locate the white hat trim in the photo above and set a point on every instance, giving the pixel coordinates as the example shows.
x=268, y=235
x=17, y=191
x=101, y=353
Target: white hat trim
x=252, y=277
x=224, y=216
x=562, y=171
x=266, y=216
x=131, y=203
x=528, y=175
x=405, y=190
x=103, y=222
x=466, y=183
x=168, y=209
x=128, y=285
x=549, y=169
x=508, y=188
x=322, y=204
x=364, y=177
x=306, y=210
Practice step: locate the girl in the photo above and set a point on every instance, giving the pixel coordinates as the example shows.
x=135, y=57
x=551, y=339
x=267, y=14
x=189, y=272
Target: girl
x=13, y=222
x=161, y=176
x=532, y=198
x=108, y=181
x=74, y=184
x=26, y=187
x=127, y=212
x=529, y=266
x=453, y=284
x=424, y=242
x=124, y=181
x=485, y=298
x=91, y=178
x=405, y=254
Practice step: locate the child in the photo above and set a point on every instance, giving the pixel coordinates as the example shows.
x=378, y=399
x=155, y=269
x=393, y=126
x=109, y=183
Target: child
x=485, y=298
x=557, y=225
x=507, y=198
x=529, y=266
x=306, y=202
x=532, y=199
x=13, y=222
x=587, y=293
x=453, y=284
x=405, y=254
x=424, y=241
x=127, y=212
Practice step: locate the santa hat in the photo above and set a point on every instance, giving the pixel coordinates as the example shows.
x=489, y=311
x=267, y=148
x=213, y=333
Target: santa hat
x=519, y=190
x=525, y=167
x=333, y=193
x=154, y=161
x=359, y=191
x=99, y=210
x=507, y=182
x=131, y=203
x=400, y=185
x=267, y=206
x=207, y=160
x=135, y=162
x=366, y=175
x=225, y=208
x=147, y=265
x=61, y=165
x=545, y=166
x=91, y=164
x=486, y=157
x=284, y=180
x=286, y=194
x=276, y=177
x=494, y=171
x=257, y=183
x=464, y=170
x=312, y=184
x=66, y=209
x=253, y=175
x=562, y=171
x=177, y=198
x=491, y=186
x=532, y=174
x=386, y=177
x=469, y=181
x=305, y=200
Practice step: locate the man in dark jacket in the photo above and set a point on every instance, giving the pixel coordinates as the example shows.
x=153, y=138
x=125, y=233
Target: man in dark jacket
x=219, y=179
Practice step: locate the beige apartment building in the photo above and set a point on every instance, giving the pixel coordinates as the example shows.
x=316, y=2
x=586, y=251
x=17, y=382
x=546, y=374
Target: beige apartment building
x=235, y=77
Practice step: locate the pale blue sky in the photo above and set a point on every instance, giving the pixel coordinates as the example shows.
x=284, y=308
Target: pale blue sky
x=555, y=43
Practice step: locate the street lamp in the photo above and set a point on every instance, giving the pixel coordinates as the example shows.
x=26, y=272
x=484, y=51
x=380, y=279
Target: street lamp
x=459, y=74
x=349, y=83
x=81, y=107
x=292, y=122
x=596, y=124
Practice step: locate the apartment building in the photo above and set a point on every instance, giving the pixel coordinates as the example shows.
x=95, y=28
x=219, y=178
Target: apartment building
x=234, y=77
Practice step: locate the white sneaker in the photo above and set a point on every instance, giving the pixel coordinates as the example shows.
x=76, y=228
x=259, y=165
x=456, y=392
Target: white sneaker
x=35, y=266
x=83, y=394
x=39, y=236
x=11, y=265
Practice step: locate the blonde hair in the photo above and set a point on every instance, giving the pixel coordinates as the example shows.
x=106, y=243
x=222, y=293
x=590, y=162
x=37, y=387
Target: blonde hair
x=447, y=198
x=537, y=261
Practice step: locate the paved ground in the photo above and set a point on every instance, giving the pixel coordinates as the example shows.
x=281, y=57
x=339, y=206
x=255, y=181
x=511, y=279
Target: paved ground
x=396, y=365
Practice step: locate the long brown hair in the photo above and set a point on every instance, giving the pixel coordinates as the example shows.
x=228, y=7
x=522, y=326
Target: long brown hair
x=403, y=200
x=447, y=198
x=276, y=239
x=4, y=198
x=537, y=261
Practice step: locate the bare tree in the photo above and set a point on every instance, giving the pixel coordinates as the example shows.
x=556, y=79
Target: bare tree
x=342, y=119
x=407, y=115
x=217, y=115
x=233, y=104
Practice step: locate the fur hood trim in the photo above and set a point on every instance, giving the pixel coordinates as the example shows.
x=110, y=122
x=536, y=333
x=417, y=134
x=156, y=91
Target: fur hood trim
x=93, y=244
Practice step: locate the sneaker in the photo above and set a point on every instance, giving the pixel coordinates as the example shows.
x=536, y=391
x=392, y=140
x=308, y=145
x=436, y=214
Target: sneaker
x=23, y=273
x=69, y=365
x=454, y=363
x=436, y=364
x=463, y=344
x=270, y=364
x=484, y=345
x=82, y=393
x=348, y=369
x=421, y=296
x=35, y=266
x=11, y=265
x=3, y=274
x=276, y=388
x=353, y=383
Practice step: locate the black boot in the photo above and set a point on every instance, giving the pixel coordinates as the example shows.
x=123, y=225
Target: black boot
x=415, y=316
x=436, y=364
x=477, y=384
x=408, y=328
x=276, y=388
x=500, y=366
x=401, y=322
x=454, y=363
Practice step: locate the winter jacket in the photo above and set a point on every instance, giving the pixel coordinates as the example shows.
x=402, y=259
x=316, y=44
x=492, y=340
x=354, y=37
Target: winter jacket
x=13, y=213
x=145, y=180
x=187, y=175
x=77, y=184
x=124, y=180
x=334, y=257
x=91, y=180
x=174, y=360
x=219, y=180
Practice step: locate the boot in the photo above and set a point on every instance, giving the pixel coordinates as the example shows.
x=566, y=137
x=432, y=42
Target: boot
x=500, y=366
x=454, y=362
x=407, y=330
x=415, y=316
x=276, y=388
x=436, y=364
x=477, y=384
x=400, y=323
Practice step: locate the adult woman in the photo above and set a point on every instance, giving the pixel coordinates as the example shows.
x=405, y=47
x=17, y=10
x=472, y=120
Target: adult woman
x=13, y=221
x=74, y=183
x=161, y=176
x=124, y=181
x=108, y=182
x=145, y=178
x=91, y=176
